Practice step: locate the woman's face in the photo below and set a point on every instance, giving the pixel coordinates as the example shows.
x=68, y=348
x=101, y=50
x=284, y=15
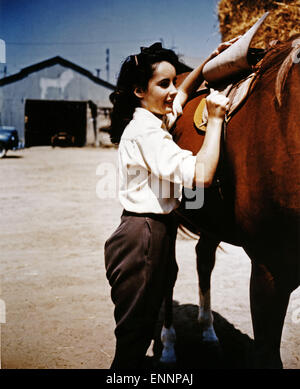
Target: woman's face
x=161, y=91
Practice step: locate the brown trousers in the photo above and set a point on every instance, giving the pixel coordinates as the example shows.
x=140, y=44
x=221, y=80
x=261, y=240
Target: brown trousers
x=141, y=267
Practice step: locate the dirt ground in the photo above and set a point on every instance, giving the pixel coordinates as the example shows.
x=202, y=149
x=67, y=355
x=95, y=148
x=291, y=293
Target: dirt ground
x=58, y=308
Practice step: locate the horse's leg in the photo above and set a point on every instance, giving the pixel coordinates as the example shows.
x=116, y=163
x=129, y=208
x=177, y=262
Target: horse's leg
x=168, y=335
x=269, y=303
x=206, y=251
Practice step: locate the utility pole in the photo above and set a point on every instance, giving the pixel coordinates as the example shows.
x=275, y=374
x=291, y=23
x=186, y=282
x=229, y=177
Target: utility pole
x=2, y=51
x=4, y=71
x=107, y=65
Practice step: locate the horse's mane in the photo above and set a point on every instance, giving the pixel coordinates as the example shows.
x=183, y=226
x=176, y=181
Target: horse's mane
x=281, y=54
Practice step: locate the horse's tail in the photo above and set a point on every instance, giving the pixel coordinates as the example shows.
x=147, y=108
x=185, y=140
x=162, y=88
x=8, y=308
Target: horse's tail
x=186, y=232
x=186, y=226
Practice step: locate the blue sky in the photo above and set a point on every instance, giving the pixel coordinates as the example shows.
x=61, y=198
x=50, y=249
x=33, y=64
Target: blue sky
x=81, y=31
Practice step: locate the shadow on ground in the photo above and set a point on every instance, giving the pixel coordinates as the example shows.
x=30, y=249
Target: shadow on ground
x=12, y=157
x=234, y=350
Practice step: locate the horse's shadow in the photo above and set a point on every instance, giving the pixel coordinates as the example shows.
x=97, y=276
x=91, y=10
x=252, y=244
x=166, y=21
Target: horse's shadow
x=234, y=351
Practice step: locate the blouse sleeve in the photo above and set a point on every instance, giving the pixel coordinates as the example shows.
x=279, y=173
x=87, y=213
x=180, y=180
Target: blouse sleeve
x=171, y=118
x=164, y=158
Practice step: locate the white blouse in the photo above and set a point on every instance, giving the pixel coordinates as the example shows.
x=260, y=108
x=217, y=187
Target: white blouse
x=152, y=167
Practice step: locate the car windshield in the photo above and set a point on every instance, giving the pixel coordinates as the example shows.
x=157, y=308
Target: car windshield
x=7, y=128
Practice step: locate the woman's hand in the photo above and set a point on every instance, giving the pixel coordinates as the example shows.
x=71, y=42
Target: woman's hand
x=223, y=46
x=216, y=104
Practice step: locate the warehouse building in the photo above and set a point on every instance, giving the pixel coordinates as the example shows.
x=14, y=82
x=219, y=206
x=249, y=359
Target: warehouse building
x=55, y=97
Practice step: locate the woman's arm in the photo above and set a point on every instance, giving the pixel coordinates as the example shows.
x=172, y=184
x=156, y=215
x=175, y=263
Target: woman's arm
x=208, y=156
x=190, y=84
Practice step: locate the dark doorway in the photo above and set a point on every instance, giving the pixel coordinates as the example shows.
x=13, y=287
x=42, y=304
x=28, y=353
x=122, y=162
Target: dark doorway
x=46, y=118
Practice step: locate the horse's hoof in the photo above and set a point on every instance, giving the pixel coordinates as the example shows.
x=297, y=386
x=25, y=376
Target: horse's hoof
x=168, y=356
x=168, y=339
x=209, y=336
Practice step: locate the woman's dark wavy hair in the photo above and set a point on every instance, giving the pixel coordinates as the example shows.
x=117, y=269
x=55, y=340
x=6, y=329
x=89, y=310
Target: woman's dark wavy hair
x=136, y=71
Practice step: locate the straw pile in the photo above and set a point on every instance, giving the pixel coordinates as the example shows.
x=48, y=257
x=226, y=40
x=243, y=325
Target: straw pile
x=237, y=16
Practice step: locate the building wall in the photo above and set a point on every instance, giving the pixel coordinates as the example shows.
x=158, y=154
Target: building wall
x=52, y=83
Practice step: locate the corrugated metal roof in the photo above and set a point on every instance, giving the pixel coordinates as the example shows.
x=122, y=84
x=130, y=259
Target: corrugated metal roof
x=50, y=62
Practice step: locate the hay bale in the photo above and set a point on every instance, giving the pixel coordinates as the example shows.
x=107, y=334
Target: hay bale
x=237, y=16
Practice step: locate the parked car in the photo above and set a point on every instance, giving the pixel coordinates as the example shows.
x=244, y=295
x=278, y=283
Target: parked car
x=62, y=139
x=9, y=139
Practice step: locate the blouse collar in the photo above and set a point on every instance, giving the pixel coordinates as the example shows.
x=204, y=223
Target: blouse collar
x=144, y=114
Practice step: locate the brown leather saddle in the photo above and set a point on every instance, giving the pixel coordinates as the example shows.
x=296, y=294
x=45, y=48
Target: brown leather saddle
x=231, y=73
x=237, y=91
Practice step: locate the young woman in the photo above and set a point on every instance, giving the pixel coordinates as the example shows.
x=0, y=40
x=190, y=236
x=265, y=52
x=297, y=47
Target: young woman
x=140, y=254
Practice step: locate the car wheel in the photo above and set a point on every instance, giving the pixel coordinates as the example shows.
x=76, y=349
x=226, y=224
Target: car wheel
x=2, y=151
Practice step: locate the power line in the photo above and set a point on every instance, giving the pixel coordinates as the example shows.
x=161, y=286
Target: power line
x=78, y=43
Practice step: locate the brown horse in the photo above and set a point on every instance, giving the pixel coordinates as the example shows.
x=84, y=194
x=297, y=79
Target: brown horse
x=256, y=200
